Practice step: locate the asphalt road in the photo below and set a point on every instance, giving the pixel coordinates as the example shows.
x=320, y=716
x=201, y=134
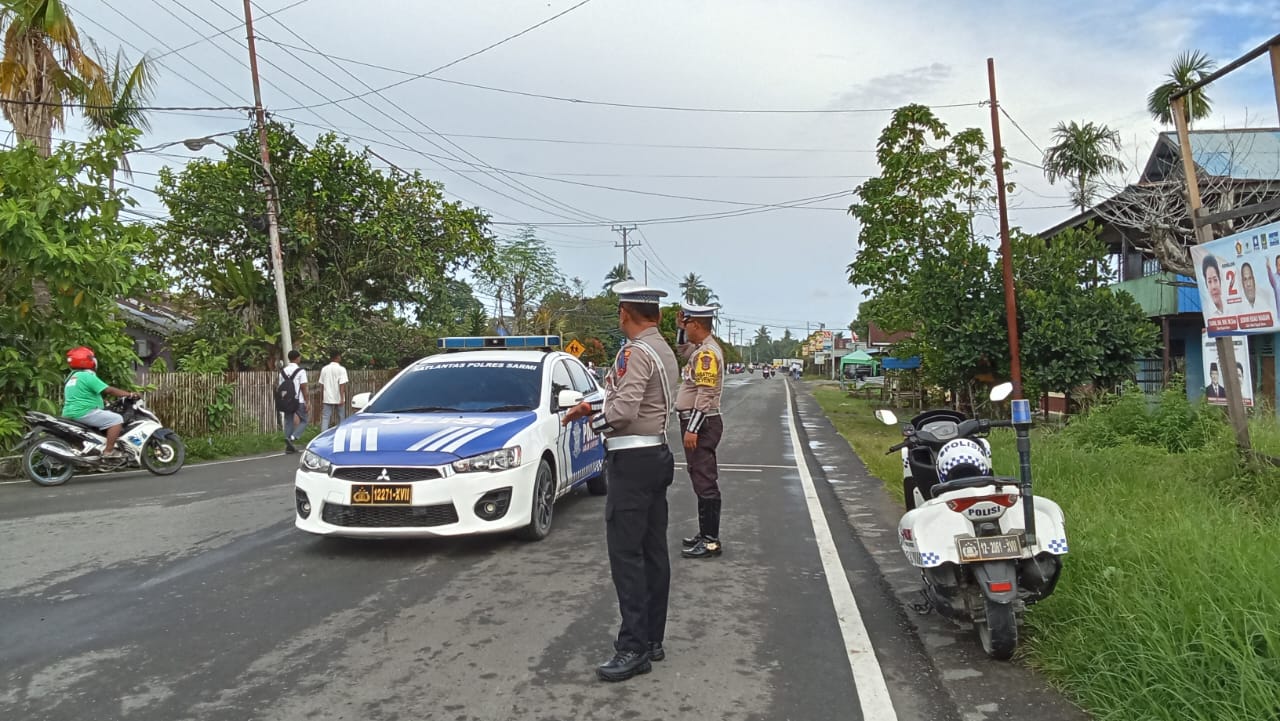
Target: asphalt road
x=193, y=597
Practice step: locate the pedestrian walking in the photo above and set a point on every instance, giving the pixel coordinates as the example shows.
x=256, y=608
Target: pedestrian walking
x=640, y=467
x=295, y=406
x=333, y=390
x=698, y=405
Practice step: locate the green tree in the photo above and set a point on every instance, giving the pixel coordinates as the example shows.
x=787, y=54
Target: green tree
x=616, y=274
x=359, y=245
x=1081, y=154
x=1189, y=68
x=44, y=67
x=452, y=310
x=60, y=228
x=116, y=98
x=695, y=291
x=522, y=273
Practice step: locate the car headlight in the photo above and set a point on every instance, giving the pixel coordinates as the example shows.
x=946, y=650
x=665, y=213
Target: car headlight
x=495, y=461
x=313, y=462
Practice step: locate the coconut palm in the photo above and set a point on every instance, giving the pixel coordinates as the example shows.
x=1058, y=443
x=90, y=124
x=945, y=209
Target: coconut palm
x=116, y=99
x=1188, y=69
x=1080, y=155
x=42, y=69
x=695, y=291
x=616, y=274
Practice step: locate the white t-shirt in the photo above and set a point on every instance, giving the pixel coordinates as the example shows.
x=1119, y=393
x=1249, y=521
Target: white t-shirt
x=298, y=381
x=332, y=378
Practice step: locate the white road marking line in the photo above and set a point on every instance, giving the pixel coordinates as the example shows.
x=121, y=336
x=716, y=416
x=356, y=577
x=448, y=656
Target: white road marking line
x=139, y=470
x=868, y=678
x=723, y=466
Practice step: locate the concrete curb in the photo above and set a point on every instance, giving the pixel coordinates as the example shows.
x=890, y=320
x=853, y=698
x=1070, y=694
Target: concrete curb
x=980, y=688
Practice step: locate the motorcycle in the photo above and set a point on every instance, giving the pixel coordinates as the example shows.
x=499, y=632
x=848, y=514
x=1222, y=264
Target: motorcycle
x=55, y=447
x=986, y=546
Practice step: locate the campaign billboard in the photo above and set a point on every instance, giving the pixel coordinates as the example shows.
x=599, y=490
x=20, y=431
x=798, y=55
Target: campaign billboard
x=1215, y=390
x=1239, y=281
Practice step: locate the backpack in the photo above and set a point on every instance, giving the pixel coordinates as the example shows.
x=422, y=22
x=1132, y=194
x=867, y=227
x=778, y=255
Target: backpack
x=287, y=393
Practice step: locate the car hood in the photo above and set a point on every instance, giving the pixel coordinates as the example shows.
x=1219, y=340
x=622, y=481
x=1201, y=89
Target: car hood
x=417, y=439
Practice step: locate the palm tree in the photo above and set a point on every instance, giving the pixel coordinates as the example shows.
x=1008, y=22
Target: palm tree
x=118, y=96
x=617, y=274
x=1081, y=154
x=695, y=291
x=43, y=67
x=1188, y=69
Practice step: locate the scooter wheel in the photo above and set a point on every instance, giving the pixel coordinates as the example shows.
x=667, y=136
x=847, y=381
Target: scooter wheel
x=999, y=633
x=45, y=470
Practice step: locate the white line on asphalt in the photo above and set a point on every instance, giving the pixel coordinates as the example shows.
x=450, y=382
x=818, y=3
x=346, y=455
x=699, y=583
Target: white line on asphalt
x=868, y=678
x=193, y=465
x=749, y=466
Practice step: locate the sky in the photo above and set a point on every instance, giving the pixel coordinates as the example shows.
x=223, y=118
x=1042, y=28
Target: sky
x=1091, y=60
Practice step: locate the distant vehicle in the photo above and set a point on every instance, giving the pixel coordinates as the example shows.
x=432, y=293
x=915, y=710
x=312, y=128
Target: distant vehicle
x=466, y=442
x=55, y=447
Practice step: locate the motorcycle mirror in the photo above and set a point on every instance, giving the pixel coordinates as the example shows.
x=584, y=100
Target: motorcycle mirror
x=886, y=417
x=1001, y=391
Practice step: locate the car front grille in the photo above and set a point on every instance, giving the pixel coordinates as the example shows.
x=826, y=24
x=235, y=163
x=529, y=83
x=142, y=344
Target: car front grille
x=374, y=474
x=389, y=516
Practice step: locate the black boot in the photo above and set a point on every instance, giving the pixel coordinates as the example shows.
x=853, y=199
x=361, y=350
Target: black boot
x=624, y=665
x=709, y=522
x=692, y=541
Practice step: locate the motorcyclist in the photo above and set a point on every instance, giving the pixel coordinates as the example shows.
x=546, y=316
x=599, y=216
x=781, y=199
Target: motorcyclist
x=83, y=398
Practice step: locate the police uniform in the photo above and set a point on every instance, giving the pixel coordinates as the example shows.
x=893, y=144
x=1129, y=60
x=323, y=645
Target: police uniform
x=633, y=418
x=698, y=403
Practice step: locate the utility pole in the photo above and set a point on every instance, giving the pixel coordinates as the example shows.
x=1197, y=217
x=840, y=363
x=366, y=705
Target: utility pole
x=277, y=257
x=625, y=244
x=1204, y=234
x=646, y=272
x=1006, y=253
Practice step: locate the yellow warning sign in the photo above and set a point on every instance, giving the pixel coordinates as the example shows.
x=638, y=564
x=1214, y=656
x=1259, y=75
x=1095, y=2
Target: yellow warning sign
x=575, y=348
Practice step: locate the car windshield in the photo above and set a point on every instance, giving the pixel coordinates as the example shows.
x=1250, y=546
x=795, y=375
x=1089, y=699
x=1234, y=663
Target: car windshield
x=467, y=386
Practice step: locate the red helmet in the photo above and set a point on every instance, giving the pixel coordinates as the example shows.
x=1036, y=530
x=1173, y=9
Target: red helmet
x=82, y=358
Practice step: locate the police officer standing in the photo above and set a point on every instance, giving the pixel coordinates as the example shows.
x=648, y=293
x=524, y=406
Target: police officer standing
x=698, y=403
x=640, y=467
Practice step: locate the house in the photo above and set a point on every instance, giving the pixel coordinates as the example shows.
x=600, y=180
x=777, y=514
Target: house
x=150, y=324
x=1235, y=168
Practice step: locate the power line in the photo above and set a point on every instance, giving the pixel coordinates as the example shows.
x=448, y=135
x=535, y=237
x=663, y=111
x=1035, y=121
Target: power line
x=149, y=108
x=793, y=204
x=603, y=103
x=220, y=33
x=1034, y=144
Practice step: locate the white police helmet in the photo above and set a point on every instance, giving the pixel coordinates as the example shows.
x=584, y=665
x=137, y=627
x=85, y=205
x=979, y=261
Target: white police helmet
x=963, y=458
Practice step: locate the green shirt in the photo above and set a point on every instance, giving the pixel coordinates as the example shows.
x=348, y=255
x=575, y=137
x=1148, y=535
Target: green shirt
x=83, y=393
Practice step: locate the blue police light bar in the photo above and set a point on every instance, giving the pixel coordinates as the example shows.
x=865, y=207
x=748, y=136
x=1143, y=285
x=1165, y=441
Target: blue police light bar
x=1022, y=411
x=500, y=342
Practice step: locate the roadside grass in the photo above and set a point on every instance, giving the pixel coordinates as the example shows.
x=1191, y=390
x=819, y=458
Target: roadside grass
x=231, y=445
x=1169, y=603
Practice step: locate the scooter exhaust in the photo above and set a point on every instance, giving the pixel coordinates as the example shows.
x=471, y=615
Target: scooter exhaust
x=63, y=454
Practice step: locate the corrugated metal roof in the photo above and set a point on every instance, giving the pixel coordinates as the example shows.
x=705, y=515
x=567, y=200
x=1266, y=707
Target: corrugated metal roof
x=1238, y=154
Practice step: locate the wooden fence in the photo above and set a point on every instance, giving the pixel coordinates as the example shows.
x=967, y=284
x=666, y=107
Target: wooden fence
x=182, y=400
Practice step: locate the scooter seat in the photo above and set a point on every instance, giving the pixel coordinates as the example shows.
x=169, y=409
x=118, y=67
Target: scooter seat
x=79, y=424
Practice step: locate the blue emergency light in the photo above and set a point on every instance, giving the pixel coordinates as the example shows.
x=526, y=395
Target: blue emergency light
x=523, y=342
x=1021, y=411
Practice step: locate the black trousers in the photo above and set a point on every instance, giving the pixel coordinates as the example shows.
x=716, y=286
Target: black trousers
x=701, y=461
x=635, y=514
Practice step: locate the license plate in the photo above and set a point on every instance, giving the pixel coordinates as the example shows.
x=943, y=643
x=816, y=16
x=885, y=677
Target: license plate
x=378, y=495
x=989, y=548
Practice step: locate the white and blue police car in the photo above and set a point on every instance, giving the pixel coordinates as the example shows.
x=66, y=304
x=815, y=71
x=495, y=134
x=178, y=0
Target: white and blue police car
x=464, y=442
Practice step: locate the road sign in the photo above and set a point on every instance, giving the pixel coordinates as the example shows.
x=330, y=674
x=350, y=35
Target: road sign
x=575, y=348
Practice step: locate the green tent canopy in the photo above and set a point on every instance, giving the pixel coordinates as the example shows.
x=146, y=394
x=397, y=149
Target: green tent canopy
x=859, y=358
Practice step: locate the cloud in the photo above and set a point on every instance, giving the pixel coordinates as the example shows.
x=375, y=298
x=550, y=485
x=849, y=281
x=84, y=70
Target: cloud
x=895, y=89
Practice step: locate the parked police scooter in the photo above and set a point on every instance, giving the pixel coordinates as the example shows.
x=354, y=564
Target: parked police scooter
x=55, y=447
x=985, y=545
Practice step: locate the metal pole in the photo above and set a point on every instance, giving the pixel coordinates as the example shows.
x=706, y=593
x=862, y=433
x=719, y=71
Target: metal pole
x=1275, y=72
x=277, y=257
x=1204, y=234
x=625, y=245
x=1006, y=252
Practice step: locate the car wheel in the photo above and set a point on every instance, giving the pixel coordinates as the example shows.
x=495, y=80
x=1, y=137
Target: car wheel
x=599, y=485
x=543, y=506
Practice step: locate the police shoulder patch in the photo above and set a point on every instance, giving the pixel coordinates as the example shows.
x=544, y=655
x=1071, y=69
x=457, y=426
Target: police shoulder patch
x=623, y=356
x=706, y=369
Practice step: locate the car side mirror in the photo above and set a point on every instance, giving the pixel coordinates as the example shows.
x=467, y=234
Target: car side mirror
x=568, y=399
x=887, y=417
x=1001, y=391
x=360, y=400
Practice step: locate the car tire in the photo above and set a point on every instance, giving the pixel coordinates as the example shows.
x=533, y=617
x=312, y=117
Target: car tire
x=542, y=509
x=599, y=486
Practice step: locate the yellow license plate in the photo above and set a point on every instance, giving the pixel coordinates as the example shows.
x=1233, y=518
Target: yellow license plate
x=378, y=495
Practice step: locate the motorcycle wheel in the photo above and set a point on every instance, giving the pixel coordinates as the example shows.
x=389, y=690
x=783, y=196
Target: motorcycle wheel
x=44, y=470
x=999, y=633
x=163, y=456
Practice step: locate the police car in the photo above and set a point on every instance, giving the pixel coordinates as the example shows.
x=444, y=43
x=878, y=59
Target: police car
x=464, y=442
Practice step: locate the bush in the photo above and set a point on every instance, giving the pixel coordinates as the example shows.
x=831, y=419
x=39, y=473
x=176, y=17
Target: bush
x=1171, y=422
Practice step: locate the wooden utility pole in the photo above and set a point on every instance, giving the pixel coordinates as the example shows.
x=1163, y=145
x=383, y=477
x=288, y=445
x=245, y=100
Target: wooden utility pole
x=277, y=257
x=1006, y=251
x=1204, y=234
